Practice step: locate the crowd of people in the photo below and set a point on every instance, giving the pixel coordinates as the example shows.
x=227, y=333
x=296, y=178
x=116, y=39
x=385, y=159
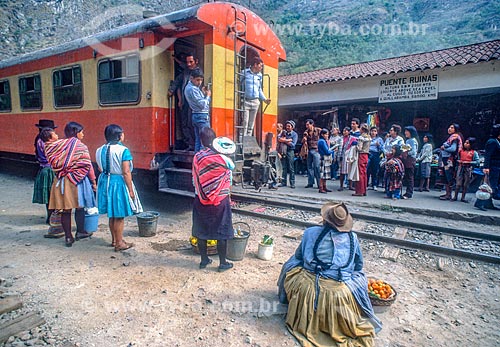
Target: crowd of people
x=359, y=159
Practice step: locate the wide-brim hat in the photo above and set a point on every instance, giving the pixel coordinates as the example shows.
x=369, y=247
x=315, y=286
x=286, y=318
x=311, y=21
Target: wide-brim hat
x=337, y=215
x=46, y=123
x=224, y=145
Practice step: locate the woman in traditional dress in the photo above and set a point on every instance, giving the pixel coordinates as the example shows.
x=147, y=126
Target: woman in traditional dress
x=325, y=287
x=326, y=160
x=449, y=152
x=116, y=193
x=45, y=176
x=212, y=219
x=347, y=142
x=75, y=183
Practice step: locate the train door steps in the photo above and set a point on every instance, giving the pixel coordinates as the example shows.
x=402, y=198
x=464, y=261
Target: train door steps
x=176, y=178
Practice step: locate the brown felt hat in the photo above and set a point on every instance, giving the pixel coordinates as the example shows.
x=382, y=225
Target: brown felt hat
x=336, y=214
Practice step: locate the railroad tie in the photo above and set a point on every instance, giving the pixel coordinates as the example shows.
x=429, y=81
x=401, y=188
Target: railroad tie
x=446, y=241
x=392, y=252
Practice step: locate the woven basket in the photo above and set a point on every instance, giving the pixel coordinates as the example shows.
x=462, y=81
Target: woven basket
x=383, y=302
x=211, y=250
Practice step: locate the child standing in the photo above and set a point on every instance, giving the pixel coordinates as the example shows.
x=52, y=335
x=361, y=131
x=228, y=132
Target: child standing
x=467, y=159
x=395, y=171
x=425, y=160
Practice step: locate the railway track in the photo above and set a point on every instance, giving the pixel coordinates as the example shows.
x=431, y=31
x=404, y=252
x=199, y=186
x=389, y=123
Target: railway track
x=303, y=214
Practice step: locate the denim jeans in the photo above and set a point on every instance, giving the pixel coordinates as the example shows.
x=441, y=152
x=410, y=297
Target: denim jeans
x=313, y=160
x=200, y=120
x=373, y=167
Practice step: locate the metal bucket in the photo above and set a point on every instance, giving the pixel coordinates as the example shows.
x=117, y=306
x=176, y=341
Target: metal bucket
x=236, y=246
x=147, y=222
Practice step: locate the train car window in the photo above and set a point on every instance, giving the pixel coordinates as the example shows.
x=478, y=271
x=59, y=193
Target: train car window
x=5, y=103
x=30, y=92
x=119, y=80
x=68, y=90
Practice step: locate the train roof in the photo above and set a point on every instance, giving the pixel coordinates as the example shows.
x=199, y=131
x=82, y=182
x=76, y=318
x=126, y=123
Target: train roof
x=164, y=22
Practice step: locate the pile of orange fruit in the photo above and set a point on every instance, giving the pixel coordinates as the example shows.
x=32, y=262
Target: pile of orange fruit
x=379, y=289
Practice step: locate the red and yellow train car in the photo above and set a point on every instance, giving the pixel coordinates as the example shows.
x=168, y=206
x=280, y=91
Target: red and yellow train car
x=122, y=76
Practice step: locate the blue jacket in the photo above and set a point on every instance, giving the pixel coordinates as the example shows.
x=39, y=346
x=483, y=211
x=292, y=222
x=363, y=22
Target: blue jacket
x=253, y=85
x=198, y=102
x=323, y=148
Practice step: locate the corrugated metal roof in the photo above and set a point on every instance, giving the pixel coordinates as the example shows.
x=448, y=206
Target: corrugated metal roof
x=164, y=20
x=462, y=55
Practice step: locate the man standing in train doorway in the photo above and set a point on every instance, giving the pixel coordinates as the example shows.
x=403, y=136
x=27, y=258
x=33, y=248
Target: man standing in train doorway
x=183, y=110
x=253, y=94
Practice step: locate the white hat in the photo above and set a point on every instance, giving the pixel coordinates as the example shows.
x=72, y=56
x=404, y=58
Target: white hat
x=224, y=145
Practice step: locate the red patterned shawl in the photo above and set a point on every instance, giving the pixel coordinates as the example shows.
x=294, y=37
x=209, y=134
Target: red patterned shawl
x=455, y=137
x=69, y=158
x=211, y=177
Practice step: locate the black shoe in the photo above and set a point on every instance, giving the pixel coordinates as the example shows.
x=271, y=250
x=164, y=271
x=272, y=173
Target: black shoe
x=292, y=186
x=69, y=242
x=482, y=208
x=204, y=265
x=309, y=186
x=225, y=266
x=84, y=235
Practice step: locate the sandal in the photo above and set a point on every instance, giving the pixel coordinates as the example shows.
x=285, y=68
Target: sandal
x=124, y=246
x=50, y=235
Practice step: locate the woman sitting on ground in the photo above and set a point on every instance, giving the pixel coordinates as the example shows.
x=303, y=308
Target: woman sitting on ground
x=325, y=287
x=212, y=218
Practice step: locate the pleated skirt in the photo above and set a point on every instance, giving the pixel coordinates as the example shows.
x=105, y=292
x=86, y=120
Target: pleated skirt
x=337, y=320
x=212, y=222
x=43, y=185
x=63, y=195
x=113, y=197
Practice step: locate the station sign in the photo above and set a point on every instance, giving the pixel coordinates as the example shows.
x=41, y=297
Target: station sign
x=408, y=88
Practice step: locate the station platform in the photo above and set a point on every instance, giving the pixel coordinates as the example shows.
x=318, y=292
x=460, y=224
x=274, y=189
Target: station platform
x=423, y=205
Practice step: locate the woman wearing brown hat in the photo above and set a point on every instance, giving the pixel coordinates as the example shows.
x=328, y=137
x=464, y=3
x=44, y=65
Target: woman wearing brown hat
x=325, y=287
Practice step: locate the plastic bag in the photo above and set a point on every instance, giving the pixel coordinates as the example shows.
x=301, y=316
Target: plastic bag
x=484, y=192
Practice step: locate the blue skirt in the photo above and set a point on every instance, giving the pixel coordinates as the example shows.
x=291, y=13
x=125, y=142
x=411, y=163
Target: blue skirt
x=113, y=197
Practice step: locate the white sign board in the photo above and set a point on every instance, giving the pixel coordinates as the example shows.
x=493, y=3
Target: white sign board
x=410, y=88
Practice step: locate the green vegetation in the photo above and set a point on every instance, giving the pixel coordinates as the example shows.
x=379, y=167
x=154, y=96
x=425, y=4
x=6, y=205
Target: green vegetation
x=321, y=34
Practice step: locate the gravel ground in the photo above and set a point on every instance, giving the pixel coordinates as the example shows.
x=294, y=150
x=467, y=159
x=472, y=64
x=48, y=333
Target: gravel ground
x=155, y=295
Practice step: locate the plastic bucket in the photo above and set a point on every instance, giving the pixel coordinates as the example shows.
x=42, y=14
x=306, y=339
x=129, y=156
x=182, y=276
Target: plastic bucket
x=237, y=245
x=91, y=222
x=147, y=222
x=265, y=252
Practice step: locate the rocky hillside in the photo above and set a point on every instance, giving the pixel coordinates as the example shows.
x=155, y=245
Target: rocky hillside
x=315, y=33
